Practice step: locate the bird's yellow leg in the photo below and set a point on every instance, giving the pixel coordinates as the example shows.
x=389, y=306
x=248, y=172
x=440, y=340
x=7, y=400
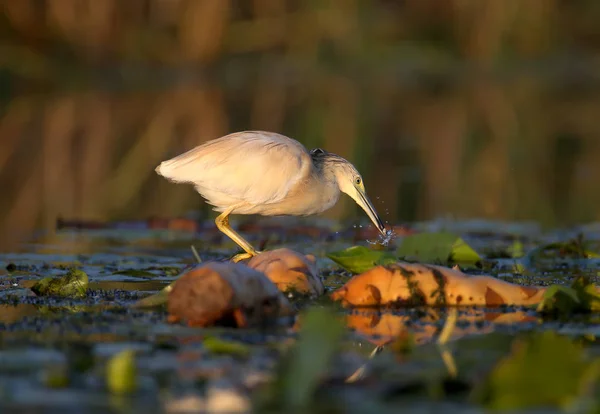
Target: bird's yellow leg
x=222, y=222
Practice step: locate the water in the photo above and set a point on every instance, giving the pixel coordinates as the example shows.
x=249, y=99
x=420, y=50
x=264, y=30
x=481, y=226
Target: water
x=383, y=239
x=41, y=339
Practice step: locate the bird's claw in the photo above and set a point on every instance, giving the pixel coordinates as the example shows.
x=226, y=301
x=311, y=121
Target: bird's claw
x=243, y=256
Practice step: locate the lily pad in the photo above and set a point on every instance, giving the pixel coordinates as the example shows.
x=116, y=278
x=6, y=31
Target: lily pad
x=588, y=294
x=359, y=259
x=73, y=284
x=581, y=296
x=438, y=248
x=559, y=300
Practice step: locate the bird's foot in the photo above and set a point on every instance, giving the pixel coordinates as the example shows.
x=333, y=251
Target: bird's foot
x=243, y=256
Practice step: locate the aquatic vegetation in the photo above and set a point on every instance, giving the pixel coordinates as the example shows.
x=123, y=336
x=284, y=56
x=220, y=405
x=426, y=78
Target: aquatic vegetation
x=121, y=373
x=534, y=327
x=358, y=259
x=436, y=248
x=73, y=284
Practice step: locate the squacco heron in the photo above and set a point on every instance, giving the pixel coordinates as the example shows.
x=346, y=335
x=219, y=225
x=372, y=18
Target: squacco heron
x=256, y=172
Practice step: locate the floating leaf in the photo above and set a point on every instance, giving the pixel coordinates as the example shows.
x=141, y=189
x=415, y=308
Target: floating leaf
x=73, y=284
x=558, y=299
x=581, y=296
x=441, y=248
x=545, y=370
x=588, y=294
x=415, y=284
x=220, y=346
x=359, y=259
x=121, y=373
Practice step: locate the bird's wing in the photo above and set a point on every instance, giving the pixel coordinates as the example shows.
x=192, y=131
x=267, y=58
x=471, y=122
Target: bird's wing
x=252, y=166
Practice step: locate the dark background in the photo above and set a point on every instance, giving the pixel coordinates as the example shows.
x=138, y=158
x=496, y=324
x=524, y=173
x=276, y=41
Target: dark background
x=467, y=108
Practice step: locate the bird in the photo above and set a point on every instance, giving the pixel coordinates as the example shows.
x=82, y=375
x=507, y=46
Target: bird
x=268, y=174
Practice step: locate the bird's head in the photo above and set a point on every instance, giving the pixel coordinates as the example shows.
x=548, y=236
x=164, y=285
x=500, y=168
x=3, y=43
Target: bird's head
x=350, y=182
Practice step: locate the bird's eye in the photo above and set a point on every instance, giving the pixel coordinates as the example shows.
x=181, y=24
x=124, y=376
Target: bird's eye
x=357, y=180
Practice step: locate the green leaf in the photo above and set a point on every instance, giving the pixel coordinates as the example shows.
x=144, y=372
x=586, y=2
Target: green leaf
x=73, y=284
x=545, y=370
x=440, y=248
x=158, y=299
x=593, y=298
x=581, y=296
x=318, y=341
x=560, y=300
x=306, y=364
x=359, y=259
x=220, y=346
x=516, y=250
x=121, y=373
x=588, y=294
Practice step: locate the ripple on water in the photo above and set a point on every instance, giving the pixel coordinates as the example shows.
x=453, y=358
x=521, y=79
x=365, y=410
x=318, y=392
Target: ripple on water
x=382, y=239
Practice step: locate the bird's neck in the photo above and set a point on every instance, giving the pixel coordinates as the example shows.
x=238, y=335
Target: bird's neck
x=329, y=190
x=328, y=177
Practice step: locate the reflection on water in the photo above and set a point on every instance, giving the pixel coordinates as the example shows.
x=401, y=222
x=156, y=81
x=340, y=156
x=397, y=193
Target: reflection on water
x=382, y=328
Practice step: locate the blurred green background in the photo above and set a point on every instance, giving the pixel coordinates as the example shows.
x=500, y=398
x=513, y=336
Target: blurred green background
x=468, y=108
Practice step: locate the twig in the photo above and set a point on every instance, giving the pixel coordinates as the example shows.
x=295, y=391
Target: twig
x=443, y=339
x=196, y=255
x=448, y=361
x=360, y=372
x=448, y=327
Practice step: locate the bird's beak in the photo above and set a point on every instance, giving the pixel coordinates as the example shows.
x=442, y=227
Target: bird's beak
x=366, y=205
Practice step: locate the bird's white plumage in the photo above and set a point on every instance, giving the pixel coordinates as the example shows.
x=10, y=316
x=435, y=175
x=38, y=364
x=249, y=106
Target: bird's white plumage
x=252, y=166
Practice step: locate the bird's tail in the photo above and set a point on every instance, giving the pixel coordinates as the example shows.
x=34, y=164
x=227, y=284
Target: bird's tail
x=167, y=170
x=182, y=169
x=175, y=172
x=159, y=169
